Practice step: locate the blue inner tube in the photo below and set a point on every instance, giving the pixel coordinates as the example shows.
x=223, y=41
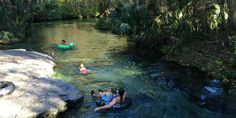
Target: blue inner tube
x=122, y=105
x=100, y=102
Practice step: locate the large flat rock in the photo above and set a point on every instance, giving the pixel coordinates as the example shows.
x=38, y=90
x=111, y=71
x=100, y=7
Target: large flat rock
x=36, y=94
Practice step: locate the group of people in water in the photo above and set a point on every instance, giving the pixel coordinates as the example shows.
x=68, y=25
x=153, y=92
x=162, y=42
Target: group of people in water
x=107, y=99
x=110, y=98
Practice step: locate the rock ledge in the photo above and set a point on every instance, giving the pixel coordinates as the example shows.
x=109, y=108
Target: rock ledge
x=36, y=94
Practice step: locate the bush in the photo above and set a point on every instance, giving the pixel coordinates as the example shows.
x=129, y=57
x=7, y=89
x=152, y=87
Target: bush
x=103, y=24
x=7, y=37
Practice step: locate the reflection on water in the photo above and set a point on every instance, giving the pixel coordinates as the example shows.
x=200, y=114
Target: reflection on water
x=103, y=53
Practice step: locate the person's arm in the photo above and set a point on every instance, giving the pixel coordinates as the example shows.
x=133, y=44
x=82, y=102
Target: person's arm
x=124, y=96
x=96, y=95
x=106, y=106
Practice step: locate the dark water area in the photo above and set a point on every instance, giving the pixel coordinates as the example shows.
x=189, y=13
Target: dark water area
x=158, y=88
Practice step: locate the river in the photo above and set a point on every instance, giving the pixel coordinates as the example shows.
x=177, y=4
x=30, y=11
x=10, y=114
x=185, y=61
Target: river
x=114, y=64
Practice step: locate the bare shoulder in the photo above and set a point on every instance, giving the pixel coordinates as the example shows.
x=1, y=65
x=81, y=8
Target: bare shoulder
x=116, y=99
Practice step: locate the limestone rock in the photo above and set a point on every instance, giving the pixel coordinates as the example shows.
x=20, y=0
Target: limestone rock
x=36, y=93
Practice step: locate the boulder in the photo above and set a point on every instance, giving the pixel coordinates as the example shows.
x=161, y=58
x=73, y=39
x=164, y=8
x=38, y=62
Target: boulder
x=36, y=93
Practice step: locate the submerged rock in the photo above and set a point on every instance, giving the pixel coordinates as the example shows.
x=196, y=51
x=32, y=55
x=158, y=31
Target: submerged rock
x=36, y=94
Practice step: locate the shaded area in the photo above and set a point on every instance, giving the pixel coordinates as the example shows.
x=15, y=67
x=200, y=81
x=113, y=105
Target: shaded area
x=203, y=90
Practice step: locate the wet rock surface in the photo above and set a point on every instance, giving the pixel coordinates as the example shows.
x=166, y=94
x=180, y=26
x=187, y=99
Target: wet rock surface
x=36, y=94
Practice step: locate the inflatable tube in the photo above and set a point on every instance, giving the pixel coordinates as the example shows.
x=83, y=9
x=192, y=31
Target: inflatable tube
x=6, y=88
x=84, y=72
x=63, y=46
x=125, y=104
x=122, y=105
x=100, y=102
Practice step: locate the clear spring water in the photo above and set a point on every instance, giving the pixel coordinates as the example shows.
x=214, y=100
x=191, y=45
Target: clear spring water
x=109, y=56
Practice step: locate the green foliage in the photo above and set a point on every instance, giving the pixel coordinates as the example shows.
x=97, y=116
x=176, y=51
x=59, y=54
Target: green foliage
x=53, y=10
x=232, y=43
x=124, y=28
x=103, y=24
x=186, y=20
x=128, y=18
x=109, y=24
x=17, y=15
x=14, y=17
x=214, y=17
x=7, y=37
x=147, y=19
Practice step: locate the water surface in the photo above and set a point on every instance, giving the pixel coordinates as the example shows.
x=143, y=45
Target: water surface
x=114, y=64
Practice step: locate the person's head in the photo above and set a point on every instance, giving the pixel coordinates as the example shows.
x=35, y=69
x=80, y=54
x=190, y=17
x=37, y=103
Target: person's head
x=100, y=91
x=112, y=90
x=81, y=65
x=121, y=91
x=63, y=41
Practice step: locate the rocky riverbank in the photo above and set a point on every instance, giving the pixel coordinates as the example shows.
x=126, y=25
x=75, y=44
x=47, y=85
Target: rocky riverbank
x=36, y=93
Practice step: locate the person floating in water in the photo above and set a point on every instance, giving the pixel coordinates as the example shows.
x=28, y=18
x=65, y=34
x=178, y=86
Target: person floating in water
x=118, y=99
x=82, y=69
x=104, y=97
x=64, y=42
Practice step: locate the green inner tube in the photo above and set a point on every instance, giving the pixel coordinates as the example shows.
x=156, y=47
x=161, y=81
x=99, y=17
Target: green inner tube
x=63, y=46
x=6, y=88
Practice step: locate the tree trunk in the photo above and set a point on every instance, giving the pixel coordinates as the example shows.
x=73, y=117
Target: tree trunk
x=103, y=7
